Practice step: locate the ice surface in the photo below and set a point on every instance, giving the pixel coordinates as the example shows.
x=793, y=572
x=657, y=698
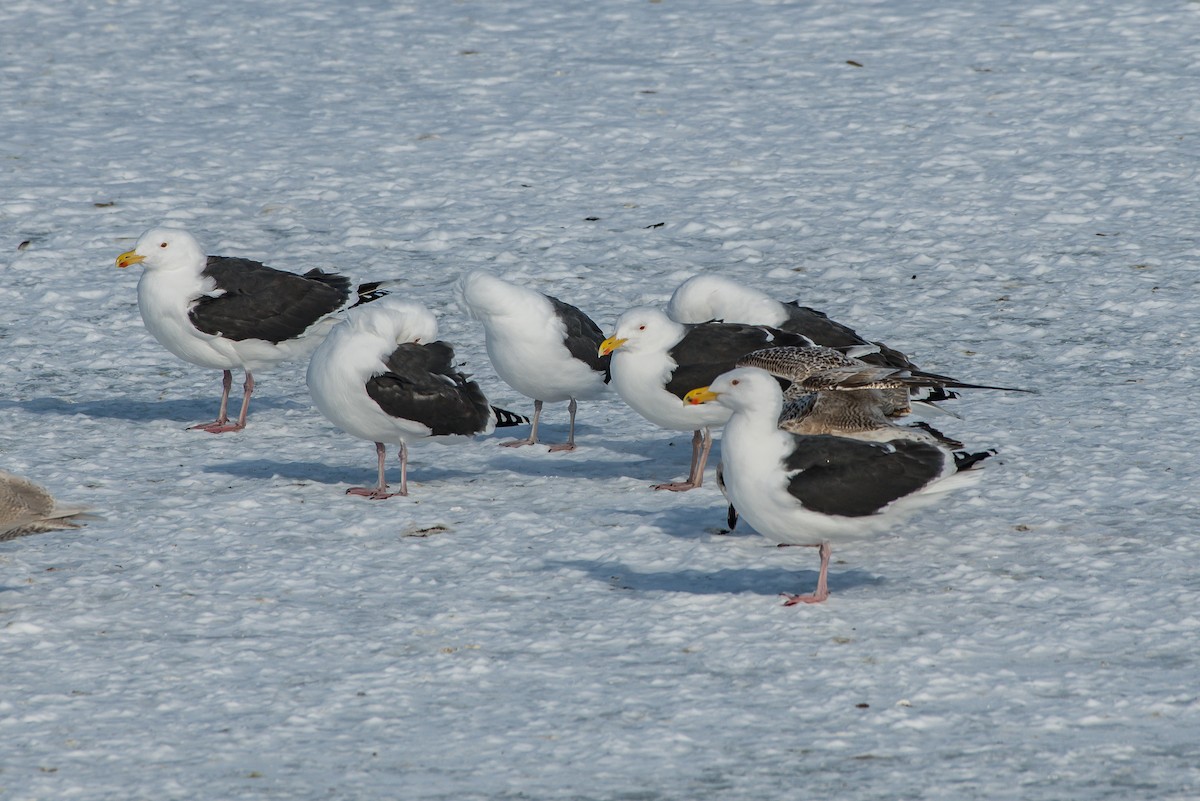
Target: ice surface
x=1006, y=192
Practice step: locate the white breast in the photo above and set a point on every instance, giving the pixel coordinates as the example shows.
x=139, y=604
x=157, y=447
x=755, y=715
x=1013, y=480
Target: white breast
x=163, y=299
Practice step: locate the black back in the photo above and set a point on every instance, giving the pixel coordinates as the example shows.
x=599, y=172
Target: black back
x=260, y=302
x=840, y=476
x=583, y=337
x=422, y=385
x=709, y=349
x=817, y=326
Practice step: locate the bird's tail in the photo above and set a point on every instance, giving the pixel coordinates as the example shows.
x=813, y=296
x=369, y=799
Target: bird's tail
x=507, y=419
x=374, y=290
x=967, y=461
x=935, y=381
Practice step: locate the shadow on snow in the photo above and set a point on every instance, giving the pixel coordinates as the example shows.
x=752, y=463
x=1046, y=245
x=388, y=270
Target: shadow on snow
x=726, y=581
x=123, y=408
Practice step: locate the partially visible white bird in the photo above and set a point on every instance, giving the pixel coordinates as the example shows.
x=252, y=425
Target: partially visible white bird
x=230, y=313
x=26, y=508
x=818, y=489
x=540, y=346
x=383, y=376
x=656, y=360
x=702, y=298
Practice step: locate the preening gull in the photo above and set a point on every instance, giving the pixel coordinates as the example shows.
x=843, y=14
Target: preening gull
x=383, y=376
x=815, y=490
x=540, y=346
x=656, y=360
x=702, y=298
x=26, y=508
x=230, y=313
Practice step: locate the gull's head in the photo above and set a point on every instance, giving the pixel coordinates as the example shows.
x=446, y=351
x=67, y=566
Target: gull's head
x=165, y=249
x=642, y=329
x=737, y=389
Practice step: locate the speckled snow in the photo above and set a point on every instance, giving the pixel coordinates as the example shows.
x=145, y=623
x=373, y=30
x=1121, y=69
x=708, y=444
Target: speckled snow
x=1006, y=192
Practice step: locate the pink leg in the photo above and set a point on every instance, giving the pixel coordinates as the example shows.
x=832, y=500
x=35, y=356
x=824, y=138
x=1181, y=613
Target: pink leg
x=701, y=445
x=222, y=415
x=379, y=491
x=532, y=438
x=403, y=468
x=222, y=425
x=822, y=583
x=569, y=445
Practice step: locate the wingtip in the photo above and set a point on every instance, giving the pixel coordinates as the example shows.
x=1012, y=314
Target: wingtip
x=507, y=419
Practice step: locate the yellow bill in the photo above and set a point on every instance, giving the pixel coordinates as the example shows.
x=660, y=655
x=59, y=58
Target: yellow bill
x=611, y=344
x=129, y=257
x=700, y=395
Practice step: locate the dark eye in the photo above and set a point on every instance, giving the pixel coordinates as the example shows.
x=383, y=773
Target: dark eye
x=163, y=245
x=734, y=382
x=641, y=328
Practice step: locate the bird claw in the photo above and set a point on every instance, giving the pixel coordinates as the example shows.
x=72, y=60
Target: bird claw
x=561, y=447
x=678, y=486
x=517, y=443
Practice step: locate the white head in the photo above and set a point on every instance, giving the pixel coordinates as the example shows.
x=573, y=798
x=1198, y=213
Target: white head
x=165, y=249
x=743, y=389
x=643, y=328
x=394, y=320
x=702, y=298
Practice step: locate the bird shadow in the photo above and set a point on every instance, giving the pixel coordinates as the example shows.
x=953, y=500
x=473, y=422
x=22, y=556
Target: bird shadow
x=123, y=408
x=321, y=473
x=534, y=460
x=653, y=461
x=706, y=514
x=726, y=581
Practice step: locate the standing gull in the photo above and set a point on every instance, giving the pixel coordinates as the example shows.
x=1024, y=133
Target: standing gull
x=229, y=313
x=540, y=346
x=381, y=375
x=656, y=360
x=818, y=489
x=26, y=508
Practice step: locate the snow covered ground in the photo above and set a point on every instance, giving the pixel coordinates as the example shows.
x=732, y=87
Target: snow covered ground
x=1006, y=192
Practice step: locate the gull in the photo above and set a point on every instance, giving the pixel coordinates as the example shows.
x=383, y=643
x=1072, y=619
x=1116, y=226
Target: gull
x=383, y=376
x=818, y=489
x=229, y=313
x=656, y=360
x=540, y=346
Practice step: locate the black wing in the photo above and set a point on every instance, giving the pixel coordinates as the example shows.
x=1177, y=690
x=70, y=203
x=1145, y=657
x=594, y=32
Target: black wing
x=260, y=302
x=583, y=337
x=840, y=476
x=422, y=385
x=817, y=326
x=709, y=349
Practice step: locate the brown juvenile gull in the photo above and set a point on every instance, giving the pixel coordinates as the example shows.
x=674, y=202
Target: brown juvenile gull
x=832, y=393
x=26, y=508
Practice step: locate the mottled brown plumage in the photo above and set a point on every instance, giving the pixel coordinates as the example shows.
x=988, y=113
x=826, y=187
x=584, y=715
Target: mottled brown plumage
x=26, y=508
